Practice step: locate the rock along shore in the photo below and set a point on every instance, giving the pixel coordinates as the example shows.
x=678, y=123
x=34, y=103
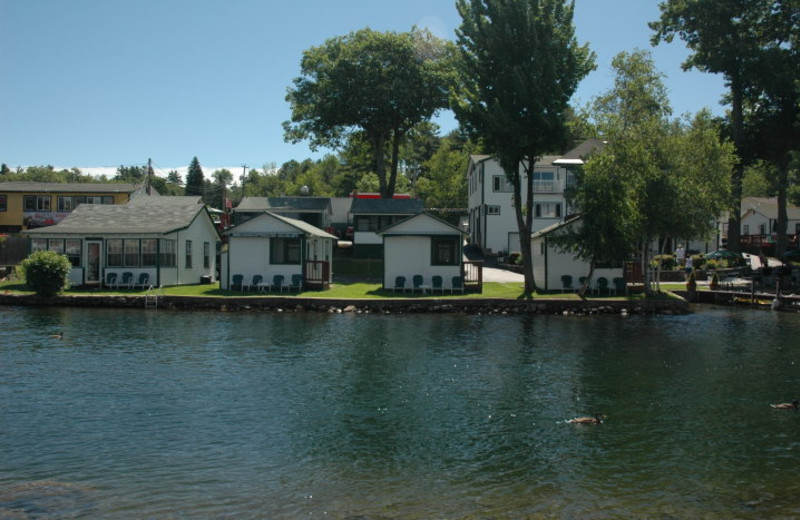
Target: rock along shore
x=387, y=306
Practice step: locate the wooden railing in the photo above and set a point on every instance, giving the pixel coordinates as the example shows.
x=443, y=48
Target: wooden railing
x=473, y=275
x=317, y=274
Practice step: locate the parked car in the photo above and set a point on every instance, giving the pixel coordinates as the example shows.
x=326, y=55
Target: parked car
x=791, y=256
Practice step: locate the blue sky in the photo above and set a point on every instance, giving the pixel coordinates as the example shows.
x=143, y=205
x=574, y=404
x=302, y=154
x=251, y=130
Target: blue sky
x=102, y=83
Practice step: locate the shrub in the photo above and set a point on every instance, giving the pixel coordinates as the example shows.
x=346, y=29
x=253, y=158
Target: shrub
x=714, y=285
x=691, y=283
x=667, y=262
x=698, y=261
x=46, y=272
x=515, y=258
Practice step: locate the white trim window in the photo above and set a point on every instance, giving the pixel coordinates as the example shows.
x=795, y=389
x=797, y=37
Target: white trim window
x=548, y=210
x=492, y=210
x=501, y=184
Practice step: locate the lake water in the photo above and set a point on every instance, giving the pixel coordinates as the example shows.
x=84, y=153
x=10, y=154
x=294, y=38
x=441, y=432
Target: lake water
x=158, y=414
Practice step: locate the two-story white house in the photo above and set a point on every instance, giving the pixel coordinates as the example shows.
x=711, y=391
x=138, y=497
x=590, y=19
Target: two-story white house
x=492, y=218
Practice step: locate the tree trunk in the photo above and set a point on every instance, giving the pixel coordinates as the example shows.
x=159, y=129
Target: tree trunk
x=587, y=282
x=396, y=140
x=737, y=131
x=524, y=215
x=782, y=240
x=378, y=143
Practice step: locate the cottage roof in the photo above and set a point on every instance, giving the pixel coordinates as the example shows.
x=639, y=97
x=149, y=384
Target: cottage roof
x=304, y=227
x=555, y=227
x=128, y=219
x=386, y=206
x=768, y=207
x=277, y=204
x=406, y=226
x=165, y=200
x=60, y=187
x=585, y=149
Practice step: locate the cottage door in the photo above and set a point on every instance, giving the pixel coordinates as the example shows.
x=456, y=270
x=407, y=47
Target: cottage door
x=93, y=261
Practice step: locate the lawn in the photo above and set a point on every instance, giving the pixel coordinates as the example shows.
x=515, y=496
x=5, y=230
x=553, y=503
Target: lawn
x=338, y=291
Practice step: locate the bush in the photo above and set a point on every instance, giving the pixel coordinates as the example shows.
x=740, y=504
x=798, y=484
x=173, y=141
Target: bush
x=46, y=272
x=698, y=261
x=515, y=258
x=667, y=262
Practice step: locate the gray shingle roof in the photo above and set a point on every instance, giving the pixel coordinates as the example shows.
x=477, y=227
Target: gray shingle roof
x=304, y=227
x=295, y=204
x=56, y=187
x=386, y=206
x=159, y=200
x=91, y=219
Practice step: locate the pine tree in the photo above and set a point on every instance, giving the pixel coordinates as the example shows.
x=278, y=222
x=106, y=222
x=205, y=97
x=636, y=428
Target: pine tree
x=195, y=184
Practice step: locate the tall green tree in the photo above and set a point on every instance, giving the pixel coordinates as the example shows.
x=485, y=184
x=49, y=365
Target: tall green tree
x=729, y=37
x=195, y=182
x=381, y=84
x=675, y=172
x=521, y=64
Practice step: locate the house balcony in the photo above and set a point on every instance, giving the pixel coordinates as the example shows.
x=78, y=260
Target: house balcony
x=547, y=187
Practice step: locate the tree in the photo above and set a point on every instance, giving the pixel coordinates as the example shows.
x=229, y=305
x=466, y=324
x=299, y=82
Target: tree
x=441, y=183
x=729, y=37
x=130, y=174
x=521, y=65
x=219, y=189
x=381, y=84
x=195, y=184
x=675, y=172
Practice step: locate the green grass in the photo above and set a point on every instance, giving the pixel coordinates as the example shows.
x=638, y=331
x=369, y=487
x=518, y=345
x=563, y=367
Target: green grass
x=346, y=291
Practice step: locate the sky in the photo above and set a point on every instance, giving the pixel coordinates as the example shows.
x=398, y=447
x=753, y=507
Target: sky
x=95, y=84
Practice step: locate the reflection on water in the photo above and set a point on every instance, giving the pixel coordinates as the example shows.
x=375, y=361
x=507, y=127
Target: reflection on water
x=206, y=415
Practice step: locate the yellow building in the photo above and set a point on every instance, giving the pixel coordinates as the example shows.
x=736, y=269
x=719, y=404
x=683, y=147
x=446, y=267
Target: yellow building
x=28, y=205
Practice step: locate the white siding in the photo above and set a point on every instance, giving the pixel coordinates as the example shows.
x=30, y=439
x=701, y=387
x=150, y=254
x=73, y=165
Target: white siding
x=410, y=255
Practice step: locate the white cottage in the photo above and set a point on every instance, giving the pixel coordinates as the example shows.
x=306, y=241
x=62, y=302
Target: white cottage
x=271, y=252
x=553, y=267
x=169, y=242
x=426, y=247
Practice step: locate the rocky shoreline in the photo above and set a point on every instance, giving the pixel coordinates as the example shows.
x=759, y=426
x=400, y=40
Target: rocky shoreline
x=366, y=306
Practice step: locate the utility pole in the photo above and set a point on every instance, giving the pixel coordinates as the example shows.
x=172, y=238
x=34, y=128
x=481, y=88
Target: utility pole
x=148, y=176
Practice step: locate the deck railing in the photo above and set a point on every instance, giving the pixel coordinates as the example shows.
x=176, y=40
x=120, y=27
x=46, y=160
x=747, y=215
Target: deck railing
x=473, y=275
x=317, y=274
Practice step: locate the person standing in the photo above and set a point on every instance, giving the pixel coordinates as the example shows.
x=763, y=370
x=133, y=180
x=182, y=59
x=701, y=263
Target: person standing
x=680, y=255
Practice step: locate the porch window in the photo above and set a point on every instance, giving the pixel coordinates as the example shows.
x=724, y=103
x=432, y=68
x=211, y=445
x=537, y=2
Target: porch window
x=114, y=252
x=169, y=257
x=444, y=251
x=206, y=255
x=38, y=244
x=149, y=252
x=36, y=202
x=3, y=202
x=188, y=254
x=56, y=244
x=284, y=250
x=72, y=248
x=131, y=253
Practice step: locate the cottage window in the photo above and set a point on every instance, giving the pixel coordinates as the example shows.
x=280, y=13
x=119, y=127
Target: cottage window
x=548, y=210
x=38, y=244
x=500, y=183
x=65, y=203
x=746, y=229
x=206, y=255
x=131, y=253
x=444, y=251
x=114, y=252
x=149, y=252
x=168, y=254
x=3, y=202
x=493, y=210
x=56, y=244
x=72, y=248
x=188, y=254
x=284, y=250
x=36, y=202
